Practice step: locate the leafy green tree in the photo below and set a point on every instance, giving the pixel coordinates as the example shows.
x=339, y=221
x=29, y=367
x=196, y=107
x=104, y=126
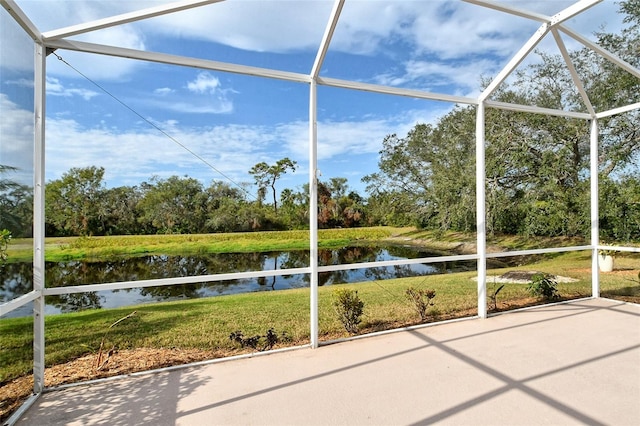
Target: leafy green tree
x=294, y=208
x=353, y=209
x=427, y=178
x=612, y=87
x=266, y=176
x=537, y=166
x=122, y=214
x=228, y=210
x=16, y=205
x=173, y=205
x=74, y=203
x=338, y=187
x=620, y=208
x=336, y=207
x=5, y=237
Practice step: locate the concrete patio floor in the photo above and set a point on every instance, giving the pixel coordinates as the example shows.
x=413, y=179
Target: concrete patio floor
x=573, y=363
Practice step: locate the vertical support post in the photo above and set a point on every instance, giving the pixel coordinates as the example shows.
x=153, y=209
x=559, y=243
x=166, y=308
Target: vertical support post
x=481, y=215
x=38, y=216
x=595, y=209
x=313, y=211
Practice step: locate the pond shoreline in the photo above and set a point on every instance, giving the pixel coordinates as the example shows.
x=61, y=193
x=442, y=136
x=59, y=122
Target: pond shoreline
x=17, y=277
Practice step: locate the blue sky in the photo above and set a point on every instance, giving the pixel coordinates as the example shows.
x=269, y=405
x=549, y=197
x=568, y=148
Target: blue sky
x=234, y=121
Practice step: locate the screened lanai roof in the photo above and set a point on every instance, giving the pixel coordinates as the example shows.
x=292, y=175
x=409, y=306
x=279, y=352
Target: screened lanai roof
x=380, y=33
x=443, y=47
x=453, y=51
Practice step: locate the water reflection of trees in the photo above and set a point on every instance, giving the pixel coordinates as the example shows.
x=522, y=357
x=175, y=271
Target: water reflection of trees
x=16, y=279
x=75, y=301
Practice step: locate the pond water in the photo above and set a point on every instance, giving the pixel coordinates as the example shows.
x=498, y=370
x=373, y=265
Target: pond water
x=17, y=279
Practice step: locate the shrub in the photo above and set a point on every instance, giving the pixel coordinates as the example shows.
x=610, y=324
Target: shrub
x=349, y=308
x=421, y=300
x=257, y=342
x=544, y=285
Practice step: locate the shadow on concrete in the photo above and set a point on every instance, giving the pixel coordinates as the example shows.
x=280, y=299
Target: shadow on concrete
x=555, y=359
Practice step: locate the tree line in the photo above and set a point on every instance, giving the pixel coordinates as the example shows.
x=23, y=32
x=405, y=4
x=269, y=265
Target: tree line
x=537, y=171
x=79, y=204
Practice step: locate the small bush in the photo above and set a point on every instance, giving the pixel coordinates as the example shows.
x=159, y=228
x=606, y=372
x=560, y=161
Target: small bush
x=421, y=300
x=544, y=285
x=257, y=342
x=349, y=308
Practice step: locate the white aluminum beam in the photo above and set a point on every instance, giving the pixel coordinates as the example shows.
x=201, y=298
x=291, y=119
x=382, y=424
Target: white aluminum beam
x=18, y=302
x=515, y=61
x=124, y=18
x=22, y=19
x=40, y=78
x=395, y=262
x=572, y=11
x=538, y=251
x=313, y=213
x=481, y=210
x=163, y=58
x=375, y=88
x=121, y=285
x=17, y=415
x=620, y=110
x=511, y=10
x=620, y=248
x=573, y=72
x=326, y=39
x=595, y=206
x=537, y=110
x=602, y=52
x=556, y=19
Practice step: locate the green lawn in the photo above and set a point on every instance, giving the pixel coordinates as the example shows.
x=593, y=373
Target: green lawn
x=68, y=248
x=207, y=323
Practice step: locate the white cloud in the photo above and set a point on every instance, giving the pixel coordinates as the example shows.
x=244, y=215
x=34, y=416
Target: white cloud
x=16, y=134
x=203, y=95
x=260, y=26
x=433, y=76
x=22, y=82
x=204, y=83
x=16, y=47
x=216, y=106
x=51, y=15
x=56, y=88
x=163, y=91
x=132, y=156
x=359, y=135
x=100, y=67
x=449, y=27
